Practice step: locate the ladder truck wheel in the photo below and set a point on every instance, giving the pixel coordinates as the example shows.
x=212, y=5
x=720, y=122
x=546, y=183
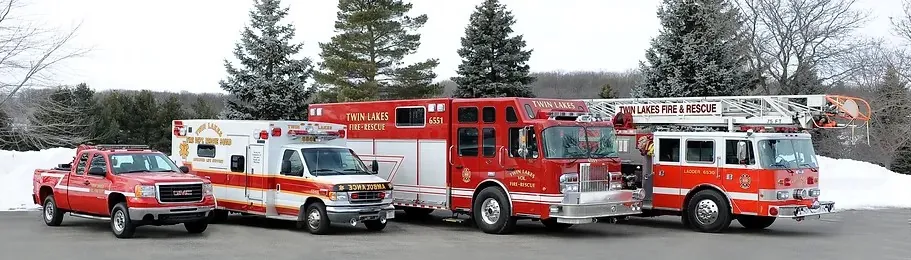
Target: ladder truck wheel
x=492, y=211
x=315, y=219
x=120, y=221
x=52, y=214
x=552, y=224
x=755, y=222
x=708, y=211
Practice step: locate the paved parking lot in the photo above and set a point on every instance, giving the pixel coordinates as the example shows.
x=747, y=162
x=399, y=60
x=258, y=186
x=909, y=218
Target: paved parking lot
x=884, y=234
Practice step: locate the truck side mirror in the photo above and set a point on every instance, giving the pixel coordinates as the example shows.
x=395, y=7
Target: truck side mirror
x=184, y=169
x=741, y=150
x=523, y=142
x=375, y=167
x=97, y=171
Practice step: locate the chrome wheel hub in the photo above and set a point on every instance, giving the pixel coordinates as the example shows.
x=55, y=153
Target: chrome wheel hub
x=706, y=212
x=313, y=219
x=48, y=212
x=490, y=211
x=119, y=221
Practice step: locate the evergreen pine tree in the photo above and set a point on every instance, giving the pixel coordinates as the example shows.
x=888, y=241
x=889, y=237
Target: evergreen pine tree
x=113, y=119
x=57, y=118
x=84, y=99
x=607, y=91
x=169, y=110
x=271, y=84
x=493, y=62
x=701, y=51
x=202, y=110
x=142, y=120
x=893, y=97
x=364, y=60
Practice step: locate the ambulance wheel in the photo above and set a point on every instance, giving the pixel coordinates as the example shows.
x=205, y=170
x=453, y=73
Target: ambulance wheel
x=196, y=227
x=708, y=211
x=755, y=222
x=52, y=214
x=120, y=221
x=375, y=225
x=492, y=211
x=315, y=219
x=552, y=224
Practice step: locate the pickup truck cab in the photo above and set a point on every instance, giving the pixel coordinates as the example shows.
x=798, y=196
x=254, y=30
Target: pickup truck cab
x=128, y=185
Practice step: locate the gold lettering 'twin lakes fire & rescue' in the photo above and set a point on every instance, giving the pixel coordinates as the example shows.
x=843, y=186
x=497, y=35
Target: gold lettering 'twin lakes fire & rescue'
x=372, y=121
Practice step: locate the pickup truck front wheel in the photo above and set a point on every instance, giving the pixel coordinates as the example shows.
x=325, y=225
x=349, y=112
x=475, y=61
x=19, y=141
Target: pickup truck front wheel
x=120, y=221
x=52, y=215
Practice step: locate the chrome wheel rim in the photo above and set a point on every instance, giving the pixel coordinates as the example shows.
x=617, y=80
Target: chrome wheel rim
x=490, y=211
x=119, y=221
x=706, y=212
x=313, y=219
x=48, y=212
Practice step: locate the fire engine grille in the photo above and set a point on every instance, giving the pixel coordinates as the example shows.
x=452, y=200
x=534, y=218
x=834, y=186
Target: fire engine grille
x=593, y=178
x=180, y=192
x=365, y=197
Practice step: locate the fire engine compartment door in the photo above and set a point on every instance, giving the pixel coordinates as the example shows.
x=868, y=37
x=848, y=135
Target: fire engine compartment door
x=255, y=173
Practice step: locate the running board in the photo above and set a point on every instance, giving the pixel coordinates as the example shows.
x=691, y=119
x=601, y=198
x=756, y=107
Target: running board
x=454, y=220
x=88, y=216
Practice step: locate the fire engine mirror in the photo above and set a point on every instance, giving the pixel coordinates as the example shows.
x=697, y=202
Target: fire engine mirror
x=374, y=167
x=523, y=143
x=184, y=169
x=741, y=150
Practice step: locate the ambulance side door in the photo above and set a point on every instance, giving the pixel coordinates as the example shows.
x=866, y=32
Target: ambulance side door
x=255, y=173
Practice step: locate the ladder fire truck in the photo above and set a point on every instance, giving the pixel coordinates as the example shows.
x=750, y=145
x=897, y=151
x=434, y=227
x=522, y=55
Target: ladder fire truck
x=715, y=159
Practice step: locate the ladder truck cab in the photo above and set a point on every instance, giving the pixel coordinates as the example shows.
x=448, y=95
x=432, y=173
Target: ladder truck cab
x=715, y=159
x=495, y=159
x=291, y=170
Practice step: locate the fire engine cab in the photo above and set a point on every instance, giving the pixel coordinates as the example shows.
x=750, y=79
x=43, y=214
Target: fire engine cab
x=495, y=159
x=715, y=159
x=290, y=170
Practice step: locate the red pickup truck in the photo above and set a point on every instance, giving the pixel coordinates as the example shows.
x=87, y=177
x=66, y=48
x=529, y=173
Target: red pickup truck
x=128, y=185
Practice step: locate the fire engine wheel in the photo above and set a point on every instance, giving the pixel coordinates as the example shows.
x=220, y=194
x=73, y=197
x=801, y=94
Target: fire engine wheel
x=755, y=222
x=120, y=221
x=492, y=211
x=708, y=211
x=52, y=215
x=315, y=219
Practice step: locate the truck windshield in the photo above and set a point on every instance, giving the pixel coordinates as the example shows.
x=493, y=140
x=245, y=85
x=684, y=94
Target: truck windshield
x=573, y=142
x=787, y=153
x=141, y=162
x=333, y=161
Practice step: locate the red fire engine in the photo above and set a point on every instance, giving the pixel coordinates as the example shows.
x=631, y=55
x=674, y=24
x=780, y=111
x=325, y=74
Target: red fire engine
x=715, y=159
x=495, y=159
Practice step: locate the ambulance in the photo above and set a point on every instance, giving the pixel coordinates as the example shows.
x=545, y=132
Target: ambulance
x=289, y=170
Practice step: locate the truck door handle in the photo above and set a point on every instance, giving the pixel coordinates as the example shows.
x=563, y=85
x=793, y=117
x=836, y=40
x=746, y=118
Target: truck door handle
x=85, y=182
x=278, y=187
x=510, y=169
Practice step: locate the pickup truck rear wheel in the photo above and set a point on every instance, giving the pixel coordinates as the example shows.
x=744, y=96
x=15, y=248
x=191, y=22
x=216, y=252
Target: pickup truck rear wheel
x=120, y=221
x=52, y=215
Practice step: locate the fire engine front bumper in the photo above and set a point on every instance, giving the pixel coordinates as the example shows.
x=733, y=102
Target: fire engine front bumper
x=801, y=212
x=593, y=205
x=353, y=215
x=169, y=215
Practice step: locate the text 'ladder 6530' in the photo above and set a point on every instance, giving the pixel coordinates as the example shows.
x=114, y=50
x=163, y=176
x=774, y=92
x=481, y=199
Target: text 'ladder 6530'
x=806, y=111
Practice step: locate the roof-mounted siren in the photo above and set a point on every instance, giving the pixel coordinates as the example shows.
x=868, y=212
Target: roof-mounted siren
x=839, y=112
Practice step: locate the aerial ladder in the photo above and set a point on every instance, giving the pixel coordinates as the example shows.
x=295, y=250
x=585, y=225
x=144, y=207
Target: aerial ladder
x=726, y=113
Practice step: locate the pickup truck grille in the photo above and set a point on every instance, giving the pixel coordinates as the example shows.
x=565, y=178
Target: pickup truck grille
x=180, y=192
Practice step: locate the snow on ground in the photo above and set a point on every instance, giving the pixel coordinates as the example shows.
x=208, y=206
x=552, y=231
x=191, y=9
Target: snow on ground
x=851, y=184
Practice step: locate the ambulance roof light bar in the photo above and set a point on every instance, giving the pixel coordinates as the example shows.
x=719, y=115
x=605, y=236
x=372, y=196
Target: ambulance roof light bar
x=315, y=136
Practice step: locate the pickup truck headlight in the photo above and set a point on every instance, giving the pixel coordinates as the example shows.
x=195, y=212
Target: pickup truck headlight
x=144, y=191
x=207, y=188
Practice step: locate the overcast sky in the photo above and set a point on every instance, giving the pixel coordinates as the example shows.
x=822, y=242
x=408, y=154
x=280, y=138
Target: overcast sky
x=177, y=45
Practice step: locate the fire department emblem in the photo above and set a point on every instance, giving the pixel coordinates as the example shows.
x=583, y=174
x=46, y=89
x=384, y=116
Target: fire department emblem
x=466, y=175
x=184, y=150
x=745, y=181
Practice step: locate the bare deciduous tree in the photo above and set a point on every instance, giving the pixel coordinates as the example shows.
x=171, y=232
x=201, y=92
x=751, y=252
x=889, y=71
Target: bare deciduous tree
x=790, y=35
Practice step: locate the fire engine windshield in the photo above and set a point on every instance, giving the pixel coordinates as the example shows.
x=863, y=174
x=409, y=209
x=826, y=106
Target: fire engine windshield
x=787, y=153
x=141, y=162
x=333, y=161
x=573, y=142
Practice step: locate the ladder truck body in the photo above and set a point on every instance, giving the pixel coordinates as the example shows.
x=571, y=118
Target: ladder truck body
x=712, y=160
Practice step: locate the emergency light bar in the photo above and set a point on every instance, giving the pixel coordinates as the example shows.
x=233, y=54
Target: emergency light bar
x=316, y=136
x=121, y=147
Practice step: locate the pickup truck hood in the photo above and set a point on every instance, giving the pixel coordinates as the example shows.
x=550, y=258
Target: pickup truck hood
x=351, y=179
x=161, y=177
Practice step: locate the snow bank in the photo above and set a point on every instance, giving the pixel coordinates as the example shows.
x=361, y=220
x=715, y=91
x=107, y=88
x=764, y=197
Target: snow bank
x=851, y=184
x=16, y=174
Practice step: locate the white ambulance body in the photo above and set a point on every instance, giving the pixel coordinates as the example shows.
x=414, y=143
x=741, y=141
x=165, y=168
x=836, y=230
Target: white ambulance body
x=292, y=170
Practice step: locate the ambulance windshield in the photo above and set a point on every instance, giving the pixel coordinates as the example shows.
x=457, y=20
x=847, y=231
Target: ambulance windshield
x=573, y=142
x=787, y=153
x=333, y=161
x=141, y=162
